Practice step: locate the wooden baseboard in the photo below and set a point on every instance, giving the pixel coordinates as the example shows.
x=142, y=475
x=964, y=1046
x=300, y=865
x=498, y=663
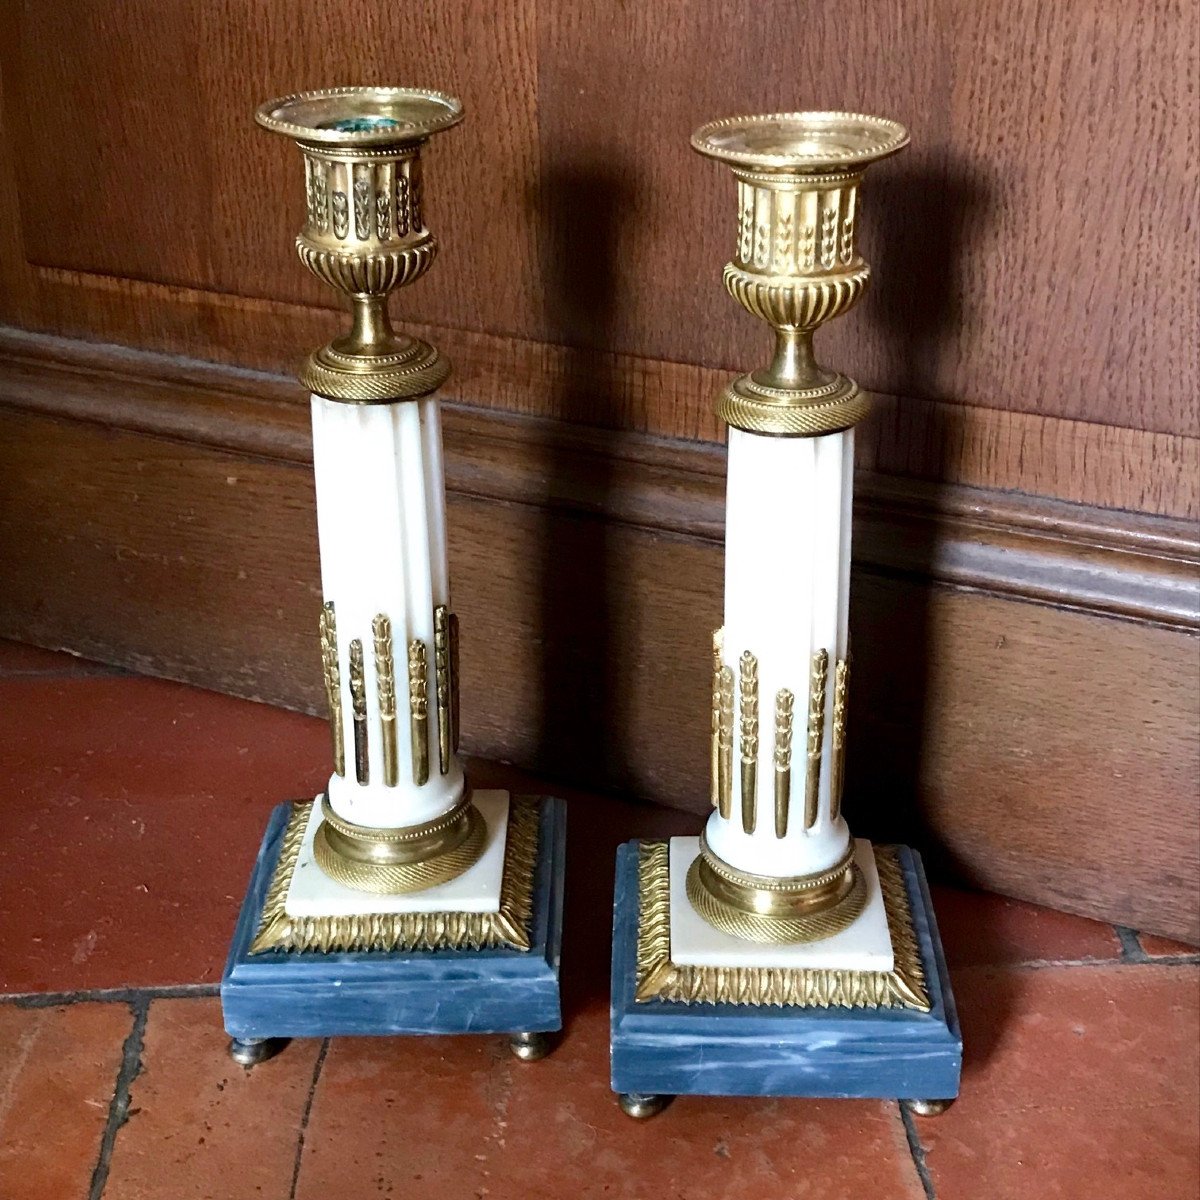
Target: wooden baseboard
x=1026, y=687
x=1093, y=559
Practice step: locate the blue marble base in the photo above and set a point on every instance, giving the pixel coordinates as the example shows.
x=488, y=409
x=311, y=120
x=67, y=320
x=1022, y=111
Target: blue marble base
x=670, y=1048
x=282, y=994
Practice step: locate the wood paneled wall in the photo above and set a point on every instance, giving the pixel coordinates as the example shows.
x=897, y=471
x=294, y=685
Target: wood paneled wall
x=1031, y=476
x=1026, y=681
x=1035, y=249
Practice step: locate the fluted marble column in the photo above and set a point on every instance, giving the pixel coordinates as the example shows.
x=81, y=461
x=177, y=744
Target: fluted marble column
x=783, y=653
x=381, y=518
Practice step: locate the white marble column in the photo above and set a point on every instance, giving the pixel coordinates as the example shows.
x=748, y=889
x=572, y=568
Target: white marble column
x=787, y=576
x=381, y=519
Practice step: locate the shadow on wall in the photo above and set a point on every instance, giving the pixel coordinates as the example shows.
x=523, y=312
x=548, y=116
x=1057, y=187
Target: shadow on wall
x=920, y=240
x=583, y=617
x=924, y=225
x=584, y=620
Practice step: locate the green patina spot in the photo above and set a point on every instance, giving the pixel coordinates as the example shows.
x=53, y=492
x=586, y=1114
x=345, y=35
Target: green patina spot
x=362, y=124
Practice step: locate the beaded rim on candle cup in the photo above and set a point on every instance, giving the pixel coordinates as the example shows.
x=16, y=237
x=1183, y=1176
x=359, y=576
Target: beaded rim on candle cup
x=360, y=116
x=795, y=141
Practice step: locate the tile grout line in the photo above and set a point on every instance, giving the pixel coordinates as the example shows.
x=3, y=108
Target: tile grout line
x=58, y=674
x=1120, y=963
x=917, y=1151
x=118, y=1109
x=308, y=1105
x=1132, y=956
x=131, y=996
x=1132, y=950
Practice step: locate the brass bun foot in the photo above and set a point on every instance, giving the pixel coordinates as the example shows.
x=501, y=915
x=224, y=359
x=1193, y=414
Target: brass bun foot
x=641, y=1106
x=761, y=908
x=249, y=1052
x=393, y=862
x=929, y=1108
x=530, y=1047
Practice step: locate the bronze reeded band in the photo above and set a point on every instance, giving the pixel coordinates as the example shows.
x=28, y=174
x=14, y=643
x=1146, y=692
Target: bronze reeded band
x=748, y=405
x=762, y=908
x=378, y=379
x=396, y=861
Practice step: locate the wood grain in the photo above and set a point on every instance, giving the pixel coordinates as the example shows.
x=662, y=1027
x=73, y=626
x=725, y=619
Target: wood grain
x=1014, y=740
x=1044, y=727
x=1095, y=560
x=1097, y=465
x=1034, y=250
x=183, y=188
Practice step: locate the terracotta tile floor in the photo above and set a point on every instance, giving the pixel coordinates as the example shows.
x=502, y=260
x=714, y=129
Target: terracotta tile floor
x=125, y=854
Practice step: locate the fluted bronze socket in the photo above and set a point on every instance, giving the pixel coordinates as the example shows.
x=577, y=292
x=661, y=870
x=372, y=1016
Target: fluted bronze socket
x=795, y=263
x=763, y=908
x=364, y=231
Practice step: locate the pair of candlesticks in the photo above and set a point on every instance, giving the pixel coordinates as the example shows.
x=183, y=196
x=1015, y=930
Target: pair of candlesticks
x=774, y=954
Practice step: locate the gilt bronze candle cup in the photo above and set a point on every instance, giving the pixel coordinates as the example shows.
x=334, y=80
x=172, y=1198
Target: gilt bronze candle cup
x=795, y=262
x=364, y=231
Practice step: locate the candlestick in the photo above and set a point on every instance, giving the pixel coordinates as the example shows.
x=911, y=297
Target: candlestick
x=781, y=868
x=775, y=914
x=397, y=854
x=380, y=493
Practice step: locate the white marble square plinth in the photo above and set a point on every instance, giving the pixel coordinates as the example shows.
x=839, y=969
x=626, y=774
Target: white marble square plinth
x=313, y=894
x=866, y=945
